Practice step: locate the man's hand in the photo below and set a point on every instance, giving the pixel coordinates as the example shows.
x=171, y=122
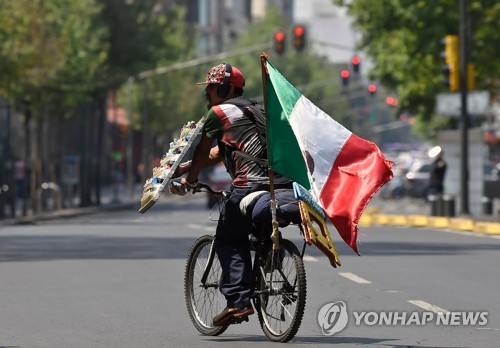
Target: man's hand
x=177, y=188
x=182, y=187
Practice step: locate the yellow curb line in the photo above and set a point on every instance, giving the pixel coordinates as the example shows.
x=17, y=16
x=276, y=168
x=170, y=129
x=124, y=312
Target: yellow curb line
x=380, y=219
x=438, y=222
x=487, y=227
x=462, y=224
x=366, y=220
x=400, y=220
x=417, y=220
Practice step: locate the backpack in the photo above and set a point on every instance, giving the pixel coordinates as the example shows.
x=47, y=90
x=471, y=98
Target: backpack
x=256, y=113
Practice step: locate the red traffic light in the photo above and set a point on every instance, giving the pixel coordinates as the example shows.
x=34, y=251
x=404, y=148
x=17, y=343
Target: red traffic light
x=279, y=42
x=299, y=37
x=299, y=30
x=391, y=101
x=356, y=61
x=345, y=74
x=372, y=88
x=279, y=36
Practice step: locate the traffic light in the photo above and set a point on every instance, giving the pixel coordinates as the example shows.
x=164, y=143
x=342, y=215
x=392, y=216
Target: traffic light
x=279, y=42
x=372, y=89
x=450, y=69
x=356, y=61
x=299, y=37
x=344, y=74
x=391, y=101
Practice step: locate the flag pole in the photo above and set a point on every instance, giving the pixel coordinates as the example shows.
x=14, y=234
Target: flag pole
x=275, y=234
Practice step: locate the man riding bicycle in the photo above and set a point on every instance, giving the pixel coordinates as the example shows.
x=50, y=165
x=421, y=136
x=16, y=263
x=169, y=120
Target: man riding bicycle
x=240, y=147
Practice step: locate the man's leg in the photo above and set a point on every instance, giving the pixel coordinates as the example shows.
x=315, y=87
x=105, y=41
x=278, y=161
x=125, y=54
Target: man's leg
x=232, y=247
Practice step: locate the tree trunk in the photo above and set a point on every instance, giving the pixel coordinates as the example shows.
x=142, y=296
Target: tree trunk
x=100, y=103
x=84, y=153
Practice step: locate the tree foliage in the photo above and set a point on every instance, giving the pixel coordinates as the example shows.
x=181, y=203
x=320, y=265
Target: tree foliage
x=403, y=39
x=49, y=50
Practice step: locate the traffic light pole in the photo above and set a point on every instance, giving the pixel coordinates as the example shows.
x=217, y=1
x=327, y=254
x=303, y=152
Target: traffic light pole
x=464, y=165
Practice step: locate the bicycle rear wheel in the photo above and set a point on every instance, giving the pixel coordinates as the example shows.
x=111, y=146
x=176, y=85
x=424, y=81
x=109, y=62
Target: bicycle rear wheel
x=281, y=293
x=203, y=299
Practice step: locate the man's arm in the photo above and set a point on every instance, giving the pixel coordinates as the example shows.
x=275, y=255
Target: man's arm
x=213, y=159
x=203, y=156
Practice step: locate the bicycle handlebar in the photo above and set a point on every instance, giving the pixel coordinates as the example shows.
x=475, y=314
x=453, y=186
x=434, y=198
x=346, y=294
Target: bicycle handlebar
x=202, y=187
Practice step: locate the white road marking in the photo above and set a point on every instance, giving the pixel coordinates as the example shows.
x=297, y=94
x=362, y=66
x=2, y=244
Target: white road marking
x=201, y=227
x=354, y=278
x=486, y=328
x=428, y=307
x=310, y=258
x=197, y=227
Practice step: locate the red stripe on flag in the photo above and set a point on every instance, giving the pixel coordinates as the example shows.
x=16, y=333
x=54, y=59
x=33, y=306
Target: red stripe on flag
x=359, y=171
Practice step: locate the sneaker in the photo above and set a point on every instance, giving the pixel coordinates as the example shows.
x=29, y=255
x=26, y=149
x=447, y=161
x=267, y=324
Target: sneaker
x=228, y=314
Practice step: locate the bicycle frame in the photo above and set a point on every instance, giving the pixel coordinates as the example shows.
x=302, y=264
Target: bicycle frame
x=208, y=266
x=310, y=219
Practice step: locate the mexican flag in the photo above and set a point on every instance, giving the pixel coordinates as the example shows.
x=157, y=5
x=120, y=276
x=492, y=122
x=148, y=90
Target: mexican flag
x=341, y=170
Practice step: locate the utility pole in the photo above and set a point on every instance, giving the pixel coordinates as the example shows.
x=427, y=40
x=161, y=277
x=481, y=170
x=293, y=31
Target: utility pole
x=464, y=117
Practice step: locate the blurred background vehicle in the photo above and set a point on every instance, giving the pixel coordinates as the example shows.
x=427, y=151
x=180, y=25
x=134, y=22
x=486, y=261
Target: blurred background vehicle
x=218, y=179
x=417, y=178
x=491, y=171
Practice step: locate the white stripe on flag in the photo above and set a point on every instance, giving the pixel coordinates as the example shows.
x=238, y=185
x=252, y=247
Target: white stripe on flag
x=321, y=136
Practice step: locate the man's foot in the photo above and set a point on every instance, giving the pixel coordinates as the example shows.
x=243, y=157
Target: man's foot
x=229, y=314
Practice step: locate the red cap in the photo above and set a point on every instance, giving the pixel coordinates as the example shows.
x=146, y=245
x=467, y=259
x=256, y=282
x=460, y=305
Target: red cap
x=218, y=72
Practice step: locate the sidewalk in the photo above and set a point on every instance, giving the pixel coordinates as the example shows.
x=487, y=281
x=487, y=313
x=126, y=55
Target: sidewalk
x=110, y=200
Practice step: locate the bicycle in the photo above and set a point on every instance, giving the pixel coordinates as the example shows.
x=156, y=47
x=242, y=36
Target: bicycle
x=279, y=279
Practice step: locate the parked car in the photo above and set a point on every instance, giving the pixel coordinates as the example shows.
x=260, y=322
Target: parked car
x=219, y=180
x=417, y=178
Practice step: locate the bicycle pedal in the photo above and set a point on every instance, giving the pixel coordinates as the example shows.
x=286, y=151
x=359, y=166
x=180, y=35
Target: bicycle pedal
x=240, y=320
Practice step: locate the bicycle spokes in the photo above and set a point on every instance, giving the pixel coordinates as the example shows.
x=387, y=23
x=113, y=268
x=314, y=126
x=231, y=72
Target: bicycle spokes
x=280, y=301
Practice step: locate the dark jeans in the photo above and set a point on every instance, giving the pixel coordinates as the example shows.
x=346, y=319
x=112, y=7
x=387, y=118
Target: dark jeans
x=231, y=241
x=287, y=210
x=233, y=250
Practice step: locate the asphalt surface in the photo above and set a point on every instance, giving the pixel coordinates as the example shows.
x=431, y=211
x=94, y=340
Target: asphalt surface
x=115, y=279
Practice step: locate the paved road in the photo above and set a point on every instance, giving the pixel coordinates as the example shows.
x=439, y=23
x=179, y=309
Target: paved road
x=114, y=279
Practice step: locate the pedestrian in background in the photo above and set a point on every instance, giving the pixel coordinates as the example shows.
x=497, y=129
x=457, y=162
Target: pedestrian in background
x=438, y=171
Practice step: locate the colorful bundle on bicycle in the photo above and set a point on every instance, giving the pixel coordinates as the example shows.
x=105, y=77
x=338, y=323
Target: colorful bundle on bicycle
x=176, y=154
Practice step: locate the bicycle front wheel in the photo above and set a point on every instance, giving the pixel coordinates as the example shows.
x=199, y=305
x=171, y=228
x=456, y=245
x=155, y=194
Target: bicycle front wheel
x=203, y=298
x=281, y=293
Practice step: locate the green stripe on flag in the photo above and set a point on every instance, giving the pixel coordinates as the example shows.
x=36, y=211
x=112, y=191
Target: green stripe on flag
x=284, y=154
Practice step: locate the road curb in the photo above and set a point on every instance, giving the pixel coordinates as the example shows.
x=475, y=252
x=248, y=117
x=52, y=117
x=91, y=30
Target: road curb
x=66, y=213
x=458, y=223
